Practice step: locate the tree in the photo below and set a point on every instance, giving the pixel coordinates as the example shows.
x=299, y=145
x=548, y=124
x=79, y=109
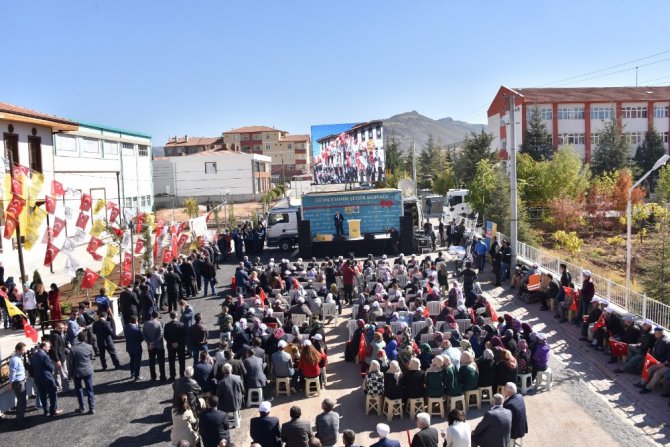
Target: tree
x=537, y=142
x=611, y=152
x=663, y=184
x=649, y=152
x=476, y=147
x=429, y=163
x=444, y=181
x=394, y=155
x=483, y=185
x=656, y=262
x=191, y=207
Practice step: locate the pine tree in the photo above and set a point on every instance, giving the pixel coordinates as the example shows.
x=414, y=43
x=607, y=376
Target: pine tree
x=656, y=262
x=611, y=153
x=476, y=147
x=394, y=155
x=537, y=142
x=649, y=152
x=429, y=163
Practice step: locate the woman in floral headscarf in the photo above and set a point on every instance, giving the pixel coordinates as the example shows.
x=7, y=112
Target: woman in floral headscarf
x=523, y=356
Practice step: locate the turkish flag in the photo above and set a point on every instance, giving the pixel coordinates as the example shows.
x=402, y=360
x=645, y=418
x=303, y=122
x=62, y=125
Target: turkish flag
x=15, y=206
x=90, y=277
x=139, y=223
x=17, y=186
x=648, y=361
x=10, y=226
x=82, y=220
x=96, y=256
x=59, y=224
x=174, y=229
x=429, y=289
x=127, y=261
x=600, y=323
x=618, y=348
x=139, y=245
x=57, y=188
x=111, y=205
x=21, y=170
x=184, y=226
x=50, y=204
x=126, y=279
x=492, y=312
x=264, y=297
x=117, y=231
x=113, y=214
x=29, y=331
x=175, y=247
x=51, y=253
x=93, y=245
x=167, y=256
x=86, y=201
x=182, y=239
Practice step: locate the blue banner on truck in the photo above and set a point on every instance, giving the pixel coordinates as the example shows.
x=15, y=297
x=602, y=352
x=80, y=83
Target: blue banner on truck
x=377, y=210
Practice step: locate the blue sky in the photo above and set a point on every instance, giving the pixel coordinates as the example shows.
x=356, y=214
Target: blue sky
x=202, y=67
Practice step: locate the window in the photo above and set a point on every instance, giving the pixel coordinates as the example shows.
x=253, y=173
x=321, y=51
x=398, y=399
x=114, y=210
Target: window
x=245, y=137
x=545, y=113
x=602, y=113
x=35, y=153
x=135, y=201
x=290, y=146
x=660, y=111
x=257, y=148
x=128, y=148
x=664, y=137
x=595, y=139
x=148, y=200
x=143, y=151
x=110, y=148
x=267, y=147
x=257, y=136
x=143, y=201
x=571, y=113
x=379, y=132
x=362, y=135
x=267, y=136
x=570, y=138
x=128, y=201
x=370, y=133
x=277, y=218
x=634, y=112
x=90, y=146
x=634, y=138
x=210, y=167
x=503, y=144
x=66, y=145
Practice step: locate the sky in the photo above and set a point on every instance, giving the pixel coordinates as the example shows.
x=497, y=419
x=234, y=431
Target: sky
x=203, y=67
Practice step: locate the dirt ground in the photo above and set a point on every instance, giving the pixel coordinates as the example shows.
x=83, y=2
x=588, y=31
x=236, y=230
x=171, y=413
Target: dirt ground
x=241, y=211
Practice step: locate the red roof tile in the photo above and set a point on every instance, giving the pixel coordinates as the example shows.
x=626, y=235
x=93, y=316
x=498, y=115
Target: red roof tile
x=295, y=138
x=594, y=94
x=254, y=129
x=194, y=141
x=10, y=108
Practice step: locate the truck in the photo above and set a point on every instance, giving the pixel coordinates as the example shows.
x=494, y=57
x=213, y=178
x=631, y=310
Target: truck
x=282, y=224
x=456, y=205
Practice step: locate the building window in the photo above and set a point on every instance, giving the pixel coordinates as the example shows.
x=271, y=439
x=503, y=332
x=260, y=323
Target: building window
x=66, y=145
x=634, y=138
x=571, y=113
x=634, y=112
x=267, y=136
x=135, y=202
x=370, y=133
x=362, y=135
x=128, y=148
x=602, y=113
x=570, y=138
x=664, y=137
x=290, y=146
x=143, y=151
x=660, y=111
x=503, y=144
x=245, y=137
x=128, y=201
x=379, y=132
x=143, y=202
x=110, y=148
x=257, y=136
x=545, y=113
x=595, y=139
x=35, y=153
x=267, y=147
x=90, y=146
x=210, y=167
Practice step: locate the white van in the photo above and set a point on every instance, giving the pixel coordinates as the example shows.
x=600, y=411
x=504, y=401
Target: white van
x=456, y=205
x=282, y=227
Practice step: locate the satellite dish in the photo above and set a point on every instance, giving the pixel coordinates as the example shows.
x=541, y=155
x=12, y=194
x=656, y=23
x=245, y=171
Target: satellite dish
x=407, y=187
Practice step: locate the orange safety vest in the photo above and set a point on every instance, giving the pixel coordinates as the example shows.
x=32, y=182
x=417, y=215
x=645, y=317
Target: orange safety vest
x=533, y=282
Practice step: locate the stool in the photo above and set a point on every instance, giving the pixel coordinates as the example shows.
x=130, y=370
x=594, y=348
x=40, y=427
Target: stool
x=312, y=387
x=415, y=406
x=234, y=419
x=254, y=397
x=518, y=442
x=468, y=399
x=432, y=402
x=489, y=394
x=525, y=382
x=544, y=379
x=373, y=402
x=392, y=407
x=282, y=386
x=455, y=400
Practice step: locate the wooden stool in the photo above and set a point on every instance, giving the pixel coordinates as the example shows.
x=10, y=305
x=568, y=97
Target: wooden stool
x=392, y=407
x=455, y=400
x=254, y=397
x=489, y=394
x=525, y=382
x=373, y=402
x=432, y=402
x=415, y=406
x=544, y=379
x=468, y=399
x=282, y=386
x=312, y=387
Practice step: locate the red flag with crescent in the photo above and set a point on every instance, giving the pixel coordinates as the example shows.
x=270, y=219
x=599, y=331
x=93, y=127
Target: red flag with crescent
x=90, y=277
x=648, y=361
x=182, y=239
x=29, y=331
x=57, y=188
x=15, y=206
x=184, y=226
x=93, y=245
x=174, y=229
x=167, y=256
x=114, y=214
x=21, y=170
x=51, y=253
x=126, y=279
x=139, y=245
x=159, y=227
x=50, y=204
x=82, y=220
x=17, y=186
x=59, y=224
x=109, y=205
x=10, y=226
x=86, y=201
x=139, y=223
x=264, y=297
x=127, y=261
x=175, y=246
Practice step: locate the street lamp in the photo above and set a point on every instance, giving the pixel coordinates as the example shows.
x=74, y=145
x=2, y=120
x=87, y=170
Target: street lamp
x=629, y=211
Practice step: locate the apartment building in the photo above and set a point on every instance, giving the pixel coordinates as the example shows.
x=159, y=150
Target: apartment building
x=178, y=146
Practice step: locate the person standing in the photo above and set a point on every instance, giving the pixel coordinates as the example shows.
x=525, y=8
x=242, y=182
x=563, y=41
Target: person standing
x=58, y=354
x=129, y=304
x=296, y=433
x=328, y=424
x=481, y=249
x=383, y=431
x=42, y=298
x=264, y=429
x=495, y=428
x=43, y=369
x=134, y=339
x=175, y=337
x=427, y=435
x=172, y=285
x=458, y=434
x=339, y=223
x=17, y=377
x=230, y=390
x=81, y=357
x=104, y=335
x=440, y=230
x=73, y=328
x=54, y=303
x=208, y=272
x=213, y=424
x=514, y=403
x=156, y=281
x=153, y=336
x=198, y=336
x=30, y=304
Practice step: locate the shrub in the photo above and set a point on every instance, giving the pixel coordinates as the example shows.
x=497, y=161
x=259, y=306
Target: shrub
x=568, y=241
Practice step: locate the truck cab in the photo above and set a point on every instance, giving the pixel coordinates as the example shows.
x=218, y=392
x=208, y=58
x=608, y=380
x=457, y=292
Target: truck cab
x=282, y=227
x=456, y=205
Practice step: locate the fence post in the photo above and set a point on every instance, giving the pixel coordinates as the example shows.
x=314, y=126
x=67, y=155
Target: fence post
x=609, y=291
x=644, y=305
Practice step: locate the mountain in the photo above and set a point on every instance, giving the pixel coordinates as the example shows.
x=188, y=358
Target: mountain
x=406, y=126
x=158, y=151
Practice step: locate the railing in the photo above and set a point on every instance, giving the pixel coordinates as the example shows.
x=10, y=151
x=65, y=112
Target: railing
x=629, y=300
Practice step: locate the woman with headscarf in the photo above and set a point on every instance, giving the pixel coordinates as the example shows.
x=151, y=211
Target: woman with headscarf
x=451, y=322
x=540, y=358
x=486, y=368
x=413, y=380
x=54, y=302
x=461, y=312
x=509, y=341
x=402, y=306
x=455, y=295
x=426, y=330
x=374, y=380
x=450, y=382
x=404, y=356
x=392, y=388
x=523, y=357
x=467, y=347
x=374, y=347
x=476, y=341
x=468, y=376
x=506, y=369
x=435, y=377
x=391, y=350
x=437, y=340
x=353, y=346
x=426, y=356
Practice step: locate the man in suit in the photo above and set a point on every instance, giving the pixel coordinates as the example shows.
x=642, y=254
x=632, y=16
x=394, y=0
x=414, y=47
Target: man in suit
x=81, y=357
x=129, y=304
x=134, y=339
x=328, y=424
x=427, y=435
x=172, y=285
x=495, y=428
x=43, y=370
x=213, y=424
x=58, y=355
x=514, y=403
x=230, y=391
x=383, y=431
x=296, y=433
x=153, y=336
x=175, y=337
x=264, y=429
x=339, y=223
x=104, y=334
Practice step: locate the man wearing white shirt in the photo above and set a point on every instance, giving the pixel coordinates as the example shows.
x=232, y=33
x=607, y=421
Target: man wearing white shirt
x=30, y=304
x=17, y=377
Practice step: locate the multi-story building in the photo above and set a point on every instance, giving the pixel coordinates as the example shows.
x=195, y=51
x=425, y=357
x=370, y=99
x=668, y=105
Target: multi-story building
x=574, y=116
x=178, y=146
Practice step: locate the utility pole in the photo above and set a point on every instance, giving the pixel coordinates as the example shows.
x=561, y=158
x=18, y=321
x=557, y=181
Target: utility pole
x=636, y=76
x=174, y=179
x=513, y=226
x=414, y=165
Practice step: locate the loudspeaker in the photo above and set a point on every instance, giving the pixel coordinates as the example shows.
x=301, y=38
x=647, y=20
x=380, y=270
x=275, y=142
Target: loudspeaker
x=304, y=239
x=406, y=244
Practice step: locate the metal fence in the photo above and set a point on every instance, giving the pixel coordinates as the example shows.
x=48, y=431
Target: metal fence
x=629, y=300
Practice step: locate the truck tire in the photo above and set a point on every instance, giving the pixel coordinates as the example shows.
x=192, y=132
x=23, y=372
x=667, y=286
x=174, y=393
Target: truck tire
x=285, y=245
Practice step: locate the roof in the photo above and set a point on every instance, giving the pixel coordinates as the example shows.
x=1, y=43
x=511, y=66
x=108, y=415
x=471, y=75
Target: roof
x=594, y=94
x=253, y=129
x=194, y=141
x=114, y=129
x=353, y=129
x=215, y=153
x=48, y=120
x=294, y=138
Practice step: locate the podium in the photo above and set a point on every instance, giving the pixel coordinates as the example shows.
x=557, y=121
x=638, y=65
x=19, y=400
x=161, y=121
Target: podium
x=354, y=228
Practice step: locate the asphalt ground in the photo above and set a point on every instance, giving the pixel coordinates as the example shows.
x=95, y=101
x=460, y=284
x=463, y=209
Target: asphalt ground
x=588, y=405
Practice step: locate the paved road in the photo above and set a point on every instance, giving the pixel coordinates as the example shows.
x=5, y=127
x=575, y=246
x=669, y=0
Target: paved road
x=584, y=404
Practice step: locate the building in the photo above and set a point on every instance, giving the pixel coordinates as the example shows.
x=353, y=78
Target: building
x=574, y=116
x=178, y=146
x=209, y=176
x=88, y=158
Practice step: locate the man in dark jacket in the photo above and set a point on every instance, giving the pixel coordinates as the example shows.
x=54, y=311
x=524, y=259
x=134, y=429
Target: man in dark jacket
x=103, y=332
x=213, y=424
x=198, y=336
x=614, y=327
x=175, y=337
x=591, y=318
x=188, y=278
x=264, y=429
x=495, y=429
x=172, y=282
x=550, y=293
x=427, y=436
x=43, y=372
x=631, y=333
x=153, y=336
x=134, y=339
x=187, y=385
x=660, y=352
x=514, y=402
x=81, y=369
x=296, y=433
x=58, y=354
x=208, y=272
x=469, y=278
x=129, y=303
x=637, y=350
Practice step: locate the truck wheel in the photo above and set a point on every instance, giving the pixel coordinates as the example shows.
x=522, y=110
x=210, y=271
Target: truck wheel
x=285, y=245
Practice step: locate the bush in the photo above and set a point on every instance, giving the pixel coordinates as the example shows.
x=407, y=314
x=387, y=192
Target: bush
x=568, y=241
x=616, y=241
